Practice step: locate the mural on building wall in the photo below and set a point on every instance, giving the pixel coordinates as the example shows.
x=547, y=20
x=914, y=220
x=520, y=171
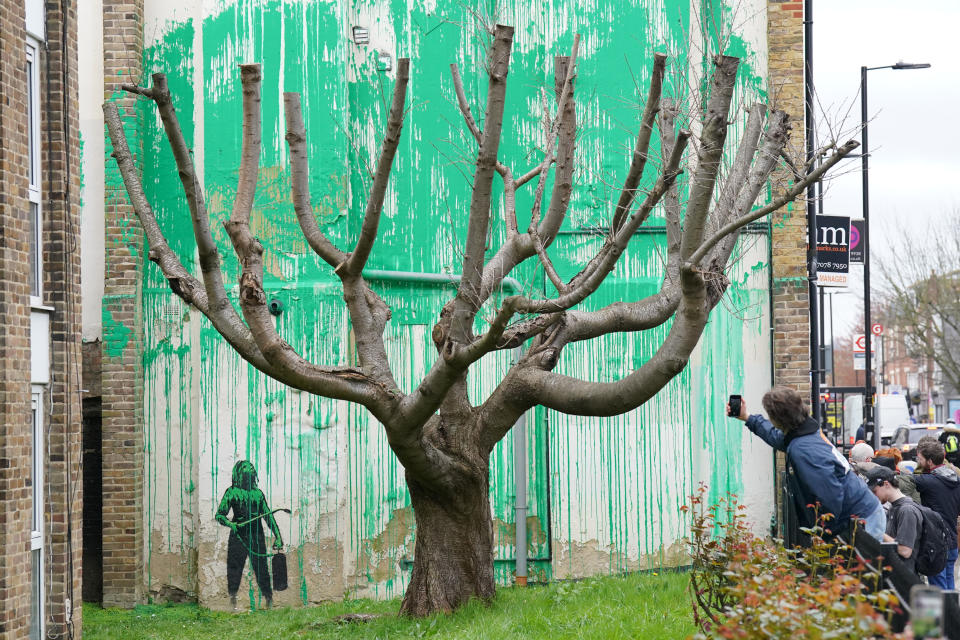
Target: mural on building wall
x=603, y=494
x=250, y=511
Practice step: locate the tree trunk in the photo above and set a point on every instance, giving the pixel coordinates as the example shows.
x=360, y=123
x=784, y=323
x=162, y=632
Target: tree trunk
x=453, y=557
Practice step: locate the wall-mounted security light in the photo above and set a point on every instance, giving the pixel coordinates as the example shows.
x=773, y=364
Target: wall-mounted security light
x=361, y=35
x=384, y=61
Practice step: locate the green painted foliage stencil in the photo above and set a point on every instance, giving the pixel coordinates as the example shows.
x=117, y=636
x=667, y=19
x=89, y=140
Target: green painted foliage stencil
x=604, y=495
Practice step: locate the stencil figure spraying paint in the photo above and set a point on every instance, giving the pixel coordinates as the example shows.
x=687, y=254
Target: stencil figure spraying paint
x=250, y=509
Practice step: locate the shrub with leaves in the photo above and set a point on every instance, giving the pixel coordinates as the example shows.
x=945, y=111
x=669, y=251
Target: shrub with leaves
x=744, y=586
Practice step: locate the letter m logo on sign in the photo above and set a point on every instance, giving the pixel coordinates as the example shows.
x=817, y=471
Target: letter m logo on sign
x=833, y=236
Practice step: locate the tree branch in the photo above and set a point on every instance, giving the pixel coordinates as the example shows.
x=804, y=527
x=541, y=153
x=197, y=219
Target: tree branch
x=388, y=149
x=300, y=184
x=712, y=139
x=736, y=179
x=771, y=149
x=593, y=275
x=566, y=126
x=221, y=312
x=290, y=367
x=188, y=288
x=463, y=104
x=563, y=68
x=471, y=123
x=639, y=158
x=467, y=301
x=519, y=248
x=622, y=317
x=578, y=397
x=789, y=196
x=335, y=382
x=368, y=313
x=671, y=199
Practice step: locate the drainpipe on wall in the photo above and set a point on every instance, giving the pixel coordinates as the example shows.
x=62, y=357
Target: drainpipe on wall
x=520, y=485
x=519, y=429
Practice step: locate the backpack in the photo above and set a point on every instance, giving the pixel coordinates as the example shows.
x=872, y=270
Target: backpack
x=935, y=537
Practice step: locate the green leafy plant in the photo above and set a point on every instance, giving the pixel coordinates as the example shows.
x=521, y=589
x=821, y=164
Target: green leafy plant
x=749, y=587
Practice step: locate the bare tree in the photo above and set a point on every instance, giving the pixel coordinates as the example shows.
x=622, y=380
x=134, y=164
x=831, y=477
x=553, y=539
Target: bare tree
x=442, y=439
x=921, y=301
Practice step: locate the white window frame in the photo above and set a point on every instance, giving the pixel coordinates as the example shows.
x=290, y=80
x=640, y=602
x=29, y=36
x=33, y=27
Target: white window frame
x=35, y=191
x=36, y=529
x=39, y=500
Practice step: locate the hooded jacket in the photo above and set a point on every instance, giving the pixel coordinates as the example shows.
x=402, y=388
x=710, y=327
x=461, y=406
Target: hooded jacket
x=939, y=490
x=824, y=474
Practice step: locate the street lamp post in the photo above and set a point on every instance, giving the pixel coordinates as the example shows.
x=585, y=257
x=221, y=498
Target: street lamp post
x=868, y=418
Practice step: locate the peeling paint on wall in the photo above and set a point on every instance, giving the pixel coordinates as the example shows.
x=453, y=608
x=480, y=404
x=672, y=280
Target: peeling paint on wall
x=604, y=495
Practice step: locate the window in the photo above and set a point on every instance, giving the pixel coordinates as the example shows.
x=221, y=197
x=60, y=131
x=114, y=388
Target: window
x=37, y=591
x=33, y=145
x=36, y=533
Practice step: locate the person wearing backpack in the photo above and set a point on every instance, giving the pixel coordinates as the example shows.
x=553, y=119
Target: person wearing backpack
x=904, y=520
x=939, y=488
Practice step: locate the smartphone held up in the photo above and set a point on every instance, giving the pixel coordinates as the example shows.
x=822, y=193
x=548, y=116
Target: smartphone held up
x=734, y=406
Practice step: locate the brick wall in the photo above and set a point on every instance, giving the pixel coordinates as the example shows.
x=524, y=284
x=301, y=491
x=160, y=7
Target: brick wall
x=791, y=321
x=121, y=364
x=61, y=287
x=791, y=339
x=15, y=415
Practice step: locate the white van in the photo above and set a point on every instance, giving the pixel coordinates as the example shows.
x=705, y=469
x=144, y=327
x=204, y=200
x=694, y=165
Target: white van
x=852, y=417
x=890, y=412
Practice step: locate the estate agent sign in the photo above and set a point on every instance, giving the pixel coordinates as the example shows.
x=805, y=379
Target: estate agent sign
x=833, y=250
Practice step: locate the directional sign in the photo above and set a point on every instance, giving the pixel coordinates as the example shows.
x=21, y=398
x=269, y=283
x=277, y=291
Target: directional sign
x=860, y=344
x=876, y=329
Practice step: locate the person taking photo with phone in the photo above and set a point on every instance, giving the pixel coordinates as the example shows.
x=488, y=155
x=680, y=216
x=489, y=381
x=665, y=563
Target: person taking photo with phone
x=824, y=476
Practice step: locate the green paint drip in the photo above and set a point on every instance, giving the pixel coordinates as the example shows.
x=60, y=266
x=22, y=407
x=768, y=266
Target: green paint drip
x=344, y=106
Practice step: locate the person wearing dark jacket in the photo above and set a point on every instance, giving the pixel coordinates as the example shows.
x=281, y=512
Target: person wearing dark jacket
x=823, y=473
x=939, y=489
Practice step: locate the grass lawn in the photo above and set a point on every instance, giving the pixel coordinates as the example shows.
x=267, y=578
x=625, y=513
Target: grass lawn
x=647, y=605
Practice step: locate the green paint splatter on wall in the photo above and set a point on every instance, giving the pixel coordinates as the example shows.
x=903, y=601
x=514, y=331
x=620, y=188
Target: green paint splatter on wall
x=617, y=483
x=116, y=335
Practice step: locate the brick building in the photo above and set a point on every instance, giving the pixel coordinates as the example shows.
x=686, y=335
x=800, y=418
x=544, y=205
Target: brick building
x=171, y=424
x=40, y=443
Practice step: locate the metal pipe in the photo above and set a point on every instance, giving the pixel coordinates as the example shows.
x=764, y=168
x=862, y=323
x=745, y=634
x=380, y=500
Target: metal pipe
x=519, y=428
x=811, y=212
x=434, y=278
x=822, y=338
x=520, y=486
x=868, y=409
x=868, y=417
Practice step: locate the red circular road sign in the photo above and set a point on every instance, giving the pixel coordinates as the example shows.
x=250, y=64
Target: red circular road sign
x=876, y=329
x=860, y=343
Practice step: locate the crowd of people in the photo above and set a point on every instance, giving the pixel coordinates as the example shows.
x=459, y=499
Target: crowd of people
x=888, y=495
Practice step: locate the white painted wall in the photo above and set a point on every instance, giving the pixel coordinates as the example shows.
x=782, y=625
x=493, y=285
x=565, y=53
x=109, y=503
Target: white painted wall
x=199, y=415
x=92, y=231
